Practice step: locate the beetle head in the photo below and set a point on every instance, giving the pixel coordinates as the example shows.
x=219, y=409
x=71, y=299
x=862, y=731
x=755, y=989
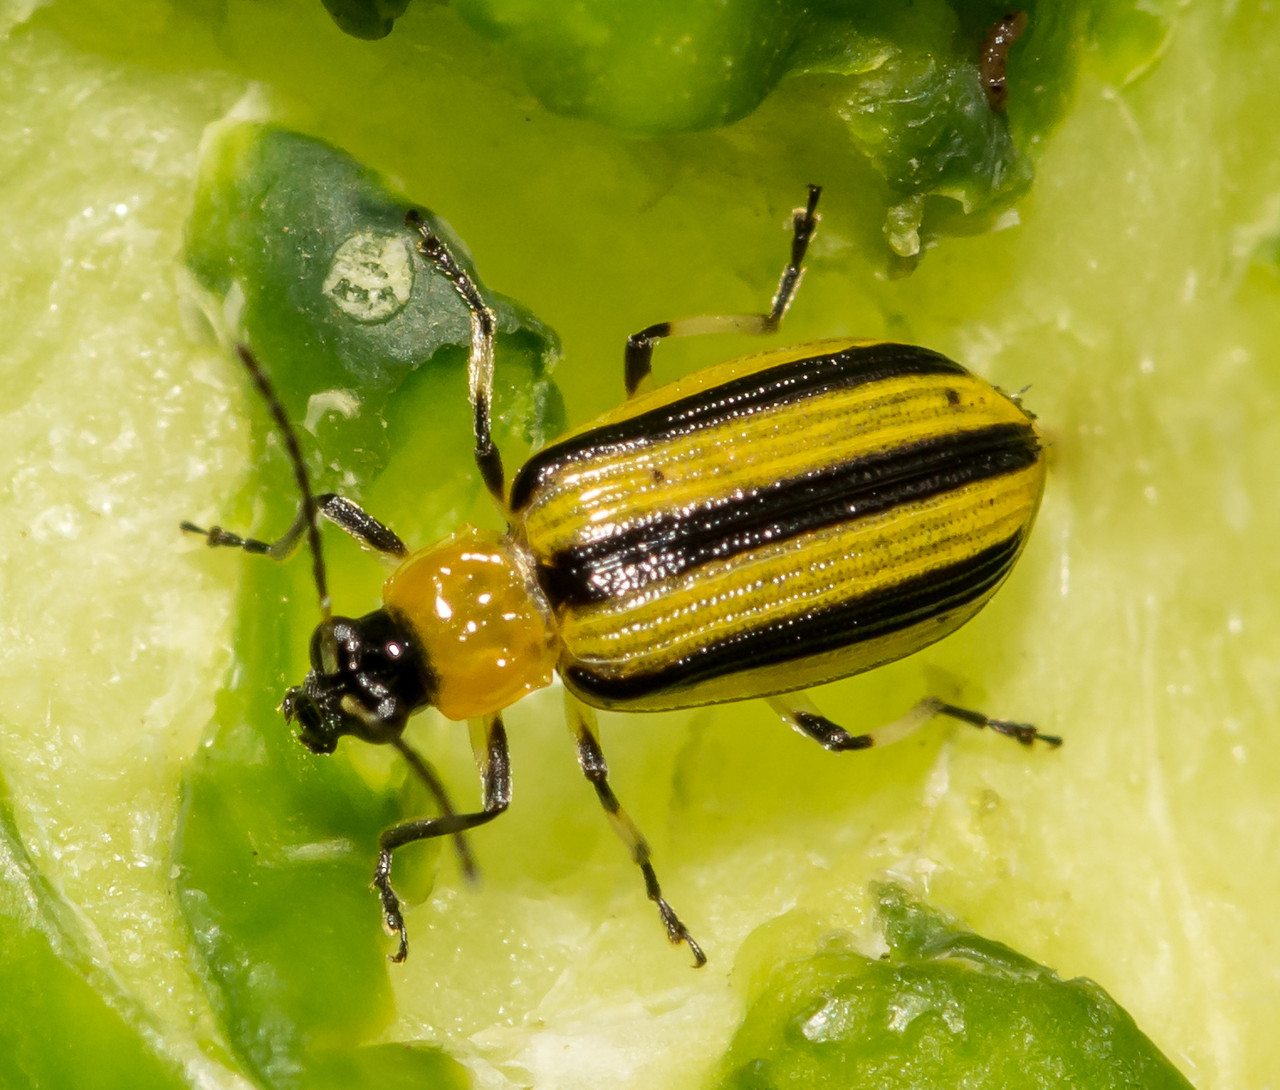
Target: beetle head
x=367, y=677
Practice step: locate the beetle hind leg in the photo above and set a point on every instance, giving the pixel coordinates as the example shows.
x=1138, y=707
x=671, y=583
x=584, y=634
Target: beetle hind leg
x=799, y=712
x=582, y=723
x=1022, y=732
x=638, y=360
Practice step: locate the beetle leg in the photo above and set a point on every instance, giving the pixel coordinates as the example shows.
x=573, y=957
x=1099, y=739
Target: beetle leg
x=582, y=723
x=425, y=771
x=1023, y=732
x=638, y=359
x=489, y=742
x=339, y=510
x=480, y=364
x=799, y=711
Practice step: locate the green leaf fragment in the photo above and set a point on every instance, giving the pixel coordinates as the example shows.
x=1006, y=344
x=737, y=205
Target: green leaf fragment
x=369, y=19
x=910, y=95
x=943, y=1007
x=653, y=66
x=59, y=1020
x=387, y=1067
x=903, y=80
x=304, y=253
x=276, y=852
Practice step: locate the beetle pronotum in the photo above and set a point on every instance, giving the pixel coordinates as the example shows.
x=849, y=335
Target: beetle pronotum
x=759, y=527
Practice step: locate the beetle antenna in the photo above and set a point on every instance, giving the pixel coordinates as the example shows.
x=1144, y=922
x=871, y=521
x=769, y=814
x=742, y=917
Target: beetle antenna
x=310, y=509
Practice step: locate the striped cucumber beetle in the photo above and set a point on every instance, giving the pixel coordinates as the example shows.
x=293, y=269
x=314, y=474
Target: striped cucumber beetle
x=765, y=525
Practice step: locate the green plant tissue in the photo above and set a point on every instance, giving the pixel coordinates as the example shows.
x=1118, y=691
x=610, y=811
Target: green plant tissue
x=185, y=889
x=940, y=1006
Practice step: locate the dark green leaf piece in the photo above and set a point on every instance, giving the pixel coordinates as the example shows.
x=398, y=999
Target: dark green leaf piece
x=649, y=66
x=303, y=252
x=944, y=1007
x=368, y=19
x=276, y=848
x=903, y=80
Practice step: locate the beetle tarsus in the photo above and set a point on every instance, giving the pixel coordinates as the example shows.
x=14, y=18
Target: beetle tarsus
x=1024, y=733
x=391, y=915
x=676, y=930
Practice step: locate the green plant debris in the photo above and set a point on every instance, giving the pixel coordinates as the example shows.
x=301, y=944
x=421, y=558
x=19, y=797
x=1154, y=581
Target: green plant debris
x=370, y=19
x=942, y=1007
x=60, y=1017
x=1133, y=288
x=307, y=258
x=903, y=80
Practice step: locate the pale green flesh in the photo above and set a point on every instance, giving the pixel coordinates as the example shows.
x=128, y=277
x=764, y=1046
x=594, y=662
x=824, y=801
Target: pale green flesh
x=1137, y=296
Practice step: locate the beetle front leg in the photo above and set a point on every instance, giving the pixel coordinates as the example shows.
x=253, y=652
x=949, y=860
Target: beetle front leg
x=638, y=359
x=489, y=742
x=480, y=363
x=342, y=512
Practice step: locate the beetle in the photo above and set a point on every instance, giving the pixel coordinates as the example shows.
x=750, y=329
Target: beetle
x=765, y=525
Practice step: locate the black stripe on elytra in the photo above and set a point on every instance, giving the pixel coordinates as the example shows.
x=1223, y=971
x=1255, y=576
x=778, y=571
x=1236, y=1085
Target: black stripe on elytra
x=868, y=617
x=771, y=388
x=675, y=541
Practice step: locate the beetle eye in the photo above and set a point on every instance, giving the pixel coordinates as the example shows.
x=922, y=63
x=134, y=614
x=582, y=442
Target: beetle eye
x=324, y=647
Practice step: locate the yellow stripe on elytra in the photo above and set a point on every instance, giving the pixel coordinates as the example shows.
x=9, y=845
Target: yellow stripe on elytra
x=717, y=601
x=718, y=464
x=802, y=672
x=714, y=376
